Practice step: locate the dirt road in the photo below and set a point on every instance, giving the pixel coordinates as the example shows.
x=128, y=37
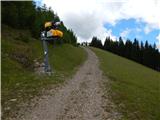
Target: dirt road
x=79, y=99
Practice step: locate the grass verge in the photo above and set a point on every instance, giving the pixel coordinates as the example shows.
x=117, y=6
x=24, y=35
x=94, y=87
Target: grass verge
x=135, y=89
x=19, y=82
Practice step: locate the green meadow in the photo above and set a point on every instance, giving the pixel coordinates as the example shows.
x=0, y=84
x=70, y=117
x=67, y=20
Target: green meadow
x=135, y=89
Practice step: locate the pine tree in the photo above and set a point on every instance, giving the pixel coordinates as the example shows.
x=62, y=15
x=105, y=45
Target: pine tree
x=107, y=44
x=96, y=43
x=128, y=49
x=121, y=47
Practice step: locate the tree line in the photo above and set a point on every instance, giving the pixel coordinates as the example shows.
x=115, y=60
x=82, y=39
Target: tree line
x=143, y=53
x=26, y=15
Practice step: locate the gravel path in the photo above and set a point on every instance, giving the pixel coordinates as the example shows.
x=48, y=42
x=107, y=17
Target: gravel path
x=80, y=99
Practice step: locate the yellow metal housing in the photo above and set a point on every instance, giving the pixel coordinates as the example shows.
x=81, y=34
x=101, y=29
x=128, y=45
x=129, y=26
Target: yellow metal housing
x=47, y=24
x=57, y=33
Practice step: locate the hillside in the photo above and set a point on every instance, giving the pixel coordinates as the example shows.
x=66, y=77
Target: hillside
x=134, y=88
x=19, y=81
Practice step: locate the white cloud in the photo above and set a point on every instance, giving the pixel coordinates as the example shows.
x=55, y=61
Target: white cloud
x=125, y=33
x=158, y=43
x=87, y=17
x=108, y=33
x=158, y=37
x=138, y=30
x=147, y=29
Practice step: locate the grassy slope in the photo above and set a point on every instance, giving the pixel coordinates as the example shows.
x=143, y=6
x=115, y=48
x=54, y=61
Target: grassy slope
x=134, y=85
x=18, y=78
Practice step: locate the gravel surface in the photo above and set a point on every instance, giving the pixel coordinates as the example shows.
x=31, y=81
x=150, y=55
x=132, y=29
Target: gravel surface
x=81, y=98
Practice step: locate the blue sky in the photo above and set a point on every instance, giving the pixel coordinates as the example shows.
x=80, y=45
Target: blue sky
x=133, y=29
x=38, y=2
x=127, y=18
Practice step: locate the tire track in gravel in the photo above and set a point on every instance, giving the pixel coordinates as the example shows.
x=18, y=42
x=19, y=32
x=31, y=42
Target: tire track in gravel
x=79, y=99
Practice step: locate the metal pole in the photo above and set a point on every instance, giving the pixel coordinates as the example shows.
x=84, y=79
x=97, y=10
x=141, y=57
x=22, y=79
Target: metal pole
x=47, y=67
x=46, y=60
